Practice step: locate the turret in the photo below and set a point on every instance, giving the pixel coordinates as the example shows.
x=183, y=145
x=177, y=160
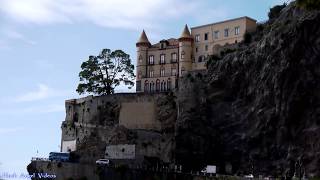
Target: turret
x=142, y=50
x=185, y=51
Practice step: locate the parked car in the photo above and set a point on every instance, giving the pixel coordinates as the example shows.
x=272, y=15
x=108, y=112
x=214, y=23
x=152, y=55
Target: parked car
x=103, y=161
x=209, y=169
x=249, y=176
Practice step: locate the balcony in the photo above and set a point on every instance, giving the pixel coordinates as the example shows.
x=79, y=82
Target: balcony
x=160, y=75
x=174, y=61
x=163, y=62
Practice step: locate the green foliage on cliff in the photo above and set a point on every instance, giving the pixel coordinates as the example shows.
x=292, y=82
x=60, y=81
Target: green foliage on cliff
x=309, y=4
x=101, y=74
x=212, y=59
x=275, y=11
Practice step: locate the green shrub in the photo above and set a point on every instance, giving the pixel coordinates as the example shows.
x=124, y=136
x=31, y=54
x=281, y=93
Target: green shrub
x=211, y=59
x=309, y=4
x=275, y=11
x=247, y=38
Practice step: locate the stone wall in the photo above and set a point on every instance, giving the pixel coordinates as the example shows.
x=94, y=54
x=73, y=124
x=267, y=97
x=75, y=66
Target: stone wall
x=85, y=115
x=121, y=151
x=138, y=115
x=144, y=120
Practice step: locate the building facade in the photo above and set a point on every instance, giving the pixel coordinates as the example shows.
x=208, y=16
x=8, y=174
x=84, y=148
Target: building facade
x=160, y=65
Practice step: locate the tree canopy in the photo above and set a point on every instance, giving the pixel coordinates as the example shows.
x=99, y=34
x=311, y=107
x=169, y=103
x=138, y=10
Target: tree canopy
x=309, y=4
x=101, y=74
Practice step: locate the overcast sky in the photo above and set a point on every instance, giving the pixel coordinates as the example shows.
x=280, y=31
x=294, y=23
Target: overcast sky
x=42, y=45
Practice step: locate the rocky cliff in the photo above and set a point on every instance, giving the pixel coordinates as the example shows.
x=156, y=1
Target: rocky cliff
x=257, y=110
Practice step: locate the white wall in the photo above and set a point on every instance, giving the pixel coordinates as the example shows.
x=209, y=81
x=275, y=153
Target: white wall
x=68, y=145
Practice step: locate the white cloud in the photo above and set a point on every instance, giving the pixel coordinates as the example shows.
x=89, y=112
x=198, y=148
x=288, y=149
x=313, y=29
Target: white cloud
x=109, y=13
x=14, y=35
x=43, y=92
x=10, y=36
x=10, y=130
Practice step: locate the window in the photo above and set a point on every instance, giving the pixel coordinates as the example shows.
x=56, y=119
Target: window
x=169, y=84
x=151, y=73
x=196, y=49
x=226, y=32
x=216, y=34
x=237, y=30
x=151, y=60
x=158, y=85
x=163, y=86
x=206, y=47
x=197, y=38
x=174, y=57
x=182, y=55
x=162, y=72
x=200, y=58
x=140, y=59
x=206, y=36
x=161, y=46
x=139, y=75
x=162, y=59
x=173, y=72
x=152, y=86
x=182, y=70
x=146, y=86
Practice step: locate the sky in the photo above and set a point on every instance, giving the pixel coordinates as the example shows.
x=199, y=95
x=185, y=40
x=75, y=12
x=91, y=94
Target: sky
x=44, y=42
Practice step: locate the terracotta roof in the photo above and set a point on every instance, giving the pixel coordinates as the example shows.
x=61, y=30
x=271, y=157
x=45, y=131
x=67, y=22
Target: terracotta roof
x=185, y=33
x=143, y=38
x=172, y=42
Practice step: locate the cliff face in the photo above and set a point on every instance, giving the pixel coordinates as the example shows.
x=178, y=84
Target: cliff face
x=145, y=120
x=258, y=109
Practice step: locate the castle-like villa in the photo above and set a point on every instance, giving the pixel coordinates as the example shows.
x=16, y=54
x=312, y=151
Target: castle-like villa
x=160, y=65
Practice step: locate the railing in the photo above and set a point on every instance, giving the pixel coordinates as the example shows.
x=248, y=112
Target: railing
x=163, y=62
x=174, y=60
x=39, y=159
x=160, y=75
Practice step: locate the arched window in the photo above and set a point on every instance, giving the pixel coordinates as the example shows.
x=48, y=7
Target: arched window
x=152, y=86
x=169, y=84
x=162, y=86
x=146, y=86
x=158, y=85
x=139, y=75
